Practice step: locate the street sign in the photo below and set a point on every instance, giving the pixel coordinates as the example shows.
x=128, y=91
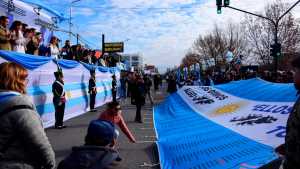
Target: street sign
x=114, y=47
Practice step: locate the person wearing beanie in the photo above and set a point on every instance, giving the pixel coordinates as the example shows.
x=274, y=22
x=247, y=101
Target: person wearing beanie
x=96, y=152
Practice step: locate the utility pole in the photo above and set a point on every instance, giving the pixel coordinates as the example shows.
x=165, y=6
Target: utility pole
x=70, y=23
x=274, y=23
x=77, y=38
x=103, y=49
x=114, y=88
x=70, y=18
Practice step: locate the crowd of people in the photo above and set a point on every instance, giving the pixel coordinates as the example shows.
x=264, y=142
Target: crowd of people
x=210, y=78
x=138, y=87
x=19, y=38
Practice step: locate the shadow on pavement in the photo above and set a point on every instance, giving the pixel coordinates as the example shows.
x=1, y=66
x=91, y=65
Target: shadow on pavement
x=152, y=151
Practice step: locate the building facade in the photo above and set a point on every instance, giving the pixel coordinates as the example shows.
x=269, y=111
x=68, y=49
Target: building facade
x=133, y=61
x=150, y=69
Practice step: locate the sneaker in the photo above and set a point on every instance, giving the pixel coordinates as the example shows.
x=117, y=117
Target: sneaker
x=58, y=127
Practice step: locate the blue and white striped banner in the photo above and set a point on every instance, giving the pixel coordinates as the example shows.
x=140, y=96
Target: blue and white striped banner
x=76, y=78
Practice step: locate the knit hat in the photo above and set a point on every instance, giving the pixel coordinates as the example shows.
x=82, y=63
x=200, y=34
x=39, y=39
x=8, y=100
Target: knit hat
x=101, y=129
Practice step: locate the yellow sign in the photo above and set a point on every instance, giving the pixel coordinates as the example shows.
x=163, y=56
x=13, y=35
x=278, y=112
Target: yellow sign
x=114, y=47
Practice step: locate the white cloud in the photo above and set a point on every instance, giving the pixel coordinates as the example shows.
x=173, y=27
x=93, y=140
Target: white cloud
x=149, y=3
x=82, y=11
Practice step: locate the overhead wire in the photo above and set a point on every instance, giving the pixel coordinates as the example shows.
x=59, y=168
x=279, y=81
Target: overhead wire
x=80, y=38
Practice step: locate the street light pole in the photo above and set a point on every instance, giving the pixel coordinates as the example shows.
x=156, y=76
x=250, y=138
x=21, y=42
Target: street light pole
x=70, y=22
x=70, y=19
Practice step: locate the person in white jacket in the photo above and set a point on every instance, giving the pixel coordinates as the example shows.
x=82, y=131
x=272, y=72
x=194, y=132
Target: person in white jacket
x=18, y=41
x=54, y=50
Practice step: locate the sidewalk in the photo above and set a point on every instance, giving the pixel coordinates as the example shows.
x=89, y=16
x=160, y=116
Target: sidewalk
x=135, y=156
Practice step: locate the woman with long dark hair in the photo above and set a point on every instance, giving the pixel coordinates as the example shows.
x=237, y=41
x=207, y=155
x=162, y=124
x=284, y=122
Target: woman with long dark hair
x=53, y=45
x=18, y=42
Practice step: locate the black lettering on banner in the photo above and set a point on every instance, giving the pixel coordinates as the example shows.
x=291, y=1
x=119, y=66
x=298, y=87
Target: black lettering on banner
x=284, y=109
x=253, y=119
x=279, y=131
x=196, y=98
x=214, y=93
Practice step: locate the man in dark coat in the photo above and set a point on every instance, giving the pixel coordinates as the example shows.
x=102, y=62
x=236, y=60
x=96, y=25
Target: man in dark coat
x=172, y=85
x=67, y=51
x=59, y=99
x=148, y=84
x=138, y=95
x=156, y=82
x=292, y=139
x=114, y=88
x=92, y=90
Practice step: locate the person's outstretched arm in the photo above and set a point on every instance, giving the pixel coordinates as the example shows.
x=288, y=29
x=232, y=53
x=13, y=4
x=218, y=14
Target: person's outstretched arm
x=125, y=129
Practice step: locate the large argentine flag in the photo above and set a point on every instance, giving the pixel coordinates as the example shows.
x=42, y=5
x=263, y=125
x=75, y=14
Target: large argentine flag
x=236, y=125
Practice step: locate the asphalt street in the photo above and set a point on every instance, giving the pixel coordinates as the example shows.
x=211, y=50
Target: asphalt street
x=135, y=156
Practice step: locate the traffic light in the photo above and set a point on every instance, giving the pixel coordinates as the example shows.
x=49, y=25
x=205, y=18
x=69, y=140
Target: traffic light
x=219, y=10
x=275, y=50
x=226, y=3
x=278, y=51
x=219, y=6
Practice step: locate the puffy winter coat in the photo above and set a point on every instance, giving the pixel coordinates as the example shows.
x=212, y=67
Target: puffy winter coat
x=23, y=142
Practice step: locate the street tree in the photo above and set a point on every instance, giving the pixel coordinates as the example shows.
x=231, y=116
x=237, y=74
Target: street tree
x=216, y=44
x=260, y=34
x=190, y=58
